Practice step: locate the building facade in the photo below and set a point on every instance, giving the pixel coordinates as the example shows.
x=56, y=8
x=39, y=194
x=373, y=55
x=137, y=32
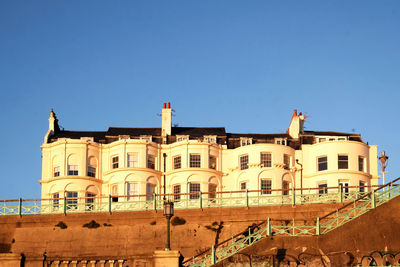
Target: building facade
x=126, y=162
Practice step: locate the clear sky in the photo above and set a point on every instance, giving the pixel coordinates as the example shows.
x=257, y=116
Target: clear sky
x=244, y=65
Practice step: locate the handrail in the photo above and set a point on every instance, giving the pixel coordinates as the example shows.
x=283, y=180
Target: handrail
x=197, y=193
x=368, y=196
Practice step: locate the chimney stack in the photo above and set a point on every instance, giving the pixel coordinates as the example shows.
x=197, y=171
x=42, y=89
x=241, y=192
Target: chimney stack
x=166, y=120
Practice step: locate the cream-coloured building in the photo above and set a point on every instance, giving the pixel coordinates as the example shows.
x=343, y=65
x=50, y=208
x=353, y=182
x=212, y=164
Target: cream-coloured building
x=128, y=162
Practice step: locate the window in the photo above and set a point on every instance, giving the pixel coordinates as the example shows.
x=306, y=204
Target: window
x=151, y=162
x=244, y=141
x=266, y=186
x=322, y=189
x=322, y=140
x=243, y=186
x=91, y=171
x=212, y=190
x=56, y=171
x=345, y=187
x=266, y=160
x=177, y=162
x=286, y=161
x=147, y=138
x=285, y=187
x=132, y=191
x=212, y=162
x=194, y=161
x=72, y=169
x=280, y=141
x=72, y=200
x=56, y=201
x=322, y=163
x=360, y=164
x=177, y=191
x=194, y=189
x=114, y=162
x=244, y=162
x=114, y=193
x=89, y=203
x=343, y=162
x=132, y=160
x=212, y=139
x=150, y=190
x=180, y=138
x=362, y=186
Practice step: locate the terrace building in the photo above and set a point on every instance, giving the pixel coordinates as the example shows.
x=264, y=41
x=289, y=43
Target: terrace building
x=125, y=162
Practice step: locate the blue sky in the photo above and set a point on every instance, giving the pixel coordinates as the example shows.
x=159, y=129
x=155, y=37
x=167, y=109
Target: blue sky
x=244, y=65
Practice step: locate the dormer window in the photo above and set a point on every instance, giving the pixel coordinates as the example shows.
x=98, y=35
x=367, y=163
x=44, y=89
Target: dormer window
x=321, y=139
x=212, y=139
x=281, y=141
x=180, y=138
x=146, y=137
x=245, y=141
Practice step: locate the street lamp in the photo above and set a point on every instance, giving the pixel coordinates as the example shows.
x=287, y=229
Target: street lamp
x=383, y=161
x=168, y=213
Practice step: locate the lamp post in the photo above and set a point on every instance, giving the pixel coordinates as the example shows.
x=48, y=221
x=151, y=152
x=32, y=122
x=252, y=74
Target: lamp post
x=383, y=161
x=168, y=213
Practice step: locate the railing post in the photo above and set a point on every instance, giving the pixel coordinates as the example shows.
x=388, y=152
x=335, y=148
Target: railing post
x=109, y=203
x=293, y=197
x=154, y=201
x=269, y=226
x=341, y=193
x=201, y=200
x=247, y=197
x=20, y=207
x=213, y=255
x=373, y=201
x=293, y=226
x=318, y=227
x=65, y=205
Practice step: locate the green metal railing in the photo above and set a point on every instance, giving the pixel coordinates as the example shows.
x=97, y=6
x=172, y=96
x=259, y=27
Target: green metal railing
x=293, y=227
x=248, y=198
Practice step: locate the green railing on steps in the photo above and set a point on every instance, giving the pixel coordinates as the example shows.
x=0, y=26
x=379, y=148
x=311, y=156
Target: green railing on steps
x=323, y=225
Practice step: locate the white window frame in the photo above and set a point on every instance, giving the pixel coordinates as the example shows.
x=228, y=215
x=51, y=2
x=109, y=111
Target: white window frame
x=246, y=141
x=114, y=164
x=318, y=163
x=244, y=162
x=268, y=186
x=177, y=164
x=265, y=158
x=212, y=139
x=151, y=162
x=194, y=163
x=181, y=138
x=56, y=171
x=73, y=169
x=132, y=159
x=343, y=161
x=91, y=171
x=212, y=165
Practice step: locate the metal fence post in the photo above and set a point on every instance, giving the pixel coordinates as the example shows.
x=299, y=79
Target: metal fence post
x=65, y=205
x=20, y=207
x=293, y=197
x=154, y=201
x=318, y=227
x=373, y=201
x=341, y=193
x=213, y=254
x=293, y=226
x=201, y=200
x=109, y=203
x=247, y=197
x=269, y=226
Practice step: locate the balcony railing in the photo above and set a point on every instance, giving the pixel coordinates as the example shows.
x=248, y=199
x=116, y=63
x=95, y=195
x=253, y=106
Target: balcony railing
x=199, y=200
